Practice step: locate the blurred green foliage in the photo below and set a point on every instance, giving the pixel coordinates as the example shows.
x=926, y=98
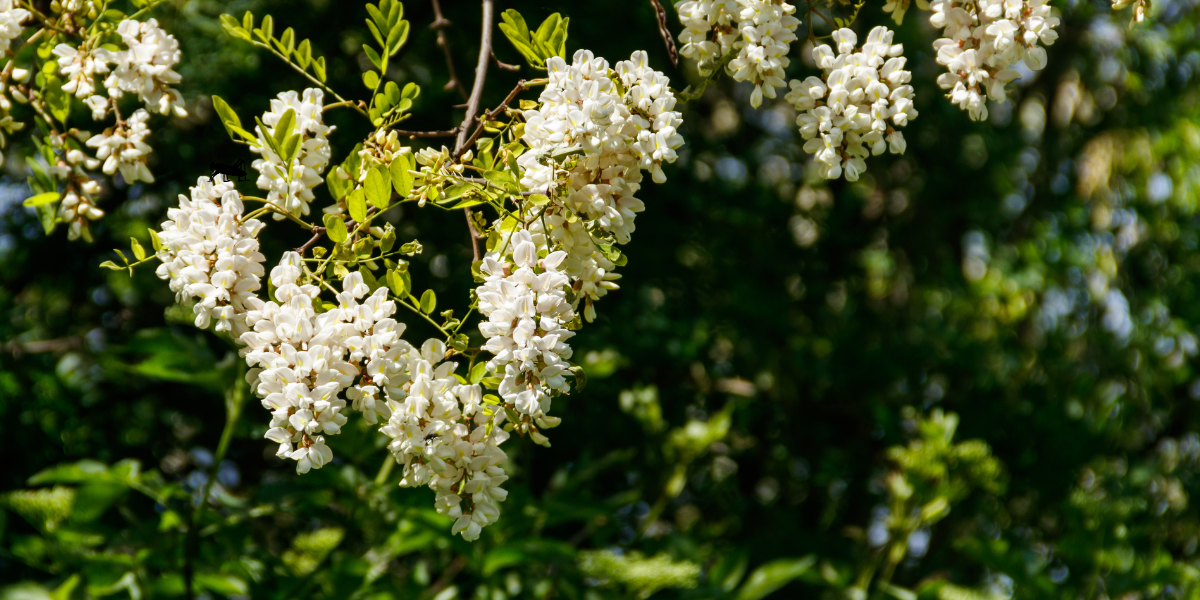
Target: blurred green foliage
x=969, y=375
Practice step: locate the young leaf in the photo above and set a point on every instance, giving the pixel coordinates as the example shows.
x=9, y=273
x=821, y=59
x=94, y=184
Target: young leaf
x=40, y=199
x=283, y=129
x=335, y=228
x=373, y=56
x=319, y=68
x=396, y=37
x=291, y=148
x=478, y=372
x=379, y=189
x=370, y=79
x=108, y=264
x=514, y=28
x=357, y=205
x=399, y=282
x=248, y=21
x=375, y=32
x=401, y=178
x=155, y=240
x=267, y=30
x=428, y=301
x=304, y=54
x=137, y=248
x=287, y=42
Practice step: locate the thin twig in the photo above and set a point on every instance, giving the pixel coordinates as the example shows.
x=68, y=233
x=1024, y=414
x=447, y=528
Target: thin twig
x=317, y=233
x=40, y=346
x=665, y=32
x=503, y=65
x=428, y=134
x=485, y=51
x=440, y=24
x=489, y=115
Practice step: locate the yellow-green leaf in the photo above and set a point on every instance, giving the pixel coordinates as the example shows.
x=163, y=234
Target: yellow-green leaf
x=138, y=250
x=40, y=199
x=428, y=301
x=335, y=228
x=357, y=205
x=379, y=189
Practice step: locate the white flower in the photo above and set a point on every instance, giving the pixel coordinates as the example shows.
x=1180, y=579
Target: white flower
x=211, y=254
x=854, y=111
x=981, y=43
x=305, y=170
x=146, y=67
x=11, y=18
x=123, y=148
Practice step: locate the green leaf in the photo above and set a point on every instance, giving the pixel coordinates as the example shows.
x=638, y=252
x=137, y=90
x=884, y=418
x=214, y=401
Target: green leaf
x=410, y=91
x=58, y=101
x=335, y=228
x=319, y=68
x=266, y=30
x=396, y=37
x=40, y=199
x=137, y=248
x=304, y=54
x=379, y=189
x=155, y=240
x=284, y=129
x=370, y=79
x=478, y=372
x=287, y=42
x=270, y=140
x=375, y=33
x=373, y=56
x=248, y=21
x=388, y=240
x=357, y=205
x=428, y=302
x=401, y=178
x=225, y=585
x=228, y=116
x=377, y=16
x=108, y=264
x=774, y=575
x=291, y=148
x=399, y=282
x=514, y=28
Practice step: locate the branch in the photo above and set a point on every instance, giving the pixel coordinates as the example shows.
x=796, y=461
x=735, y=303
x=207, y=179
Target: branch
x=491, y=114
x=503, y=65
x=317, y=233
x=40, y=346
x=440, y=24
x=663, y=30
x=485, y=51
x=428, y=134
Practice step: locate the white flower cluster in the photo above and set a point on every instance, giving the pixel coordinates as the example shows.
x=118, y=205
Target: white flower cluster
x=123, y=148
x=760, y=30
x=145, y=68
x=593, y=133
x=211, y=254
x=852, y=113
x=446, y=438
x=290, y=186
x=11, y=18
x=78, y=205
x=524, y=298
x=982, y=41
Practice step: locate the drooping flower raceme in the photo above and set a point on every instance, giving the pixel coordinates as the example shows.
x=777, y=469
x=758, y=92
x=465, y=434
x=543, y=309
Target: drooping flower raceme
x=760, y=30
x=446, y=437
x=594, y=132
x=853, y=112
x=982, y=41
x=291, y=186
x=211, y=255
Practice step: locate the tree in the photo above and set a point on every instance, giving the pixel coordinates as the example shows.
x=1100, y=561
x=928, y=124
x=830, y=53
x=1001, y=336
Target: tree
x=866, y=402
